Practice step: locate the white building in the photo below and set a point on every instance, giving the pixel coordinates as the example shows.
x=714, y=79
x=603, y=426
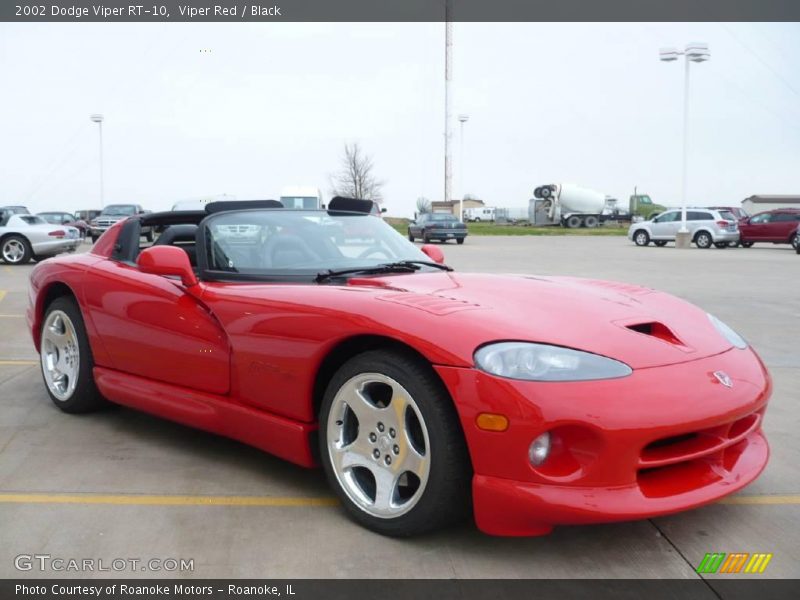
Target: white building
x=761, y=202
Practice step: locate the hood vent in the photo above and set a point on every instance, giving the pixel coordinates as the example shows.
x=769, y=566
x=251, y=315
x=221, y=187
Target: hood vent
x=657, y=330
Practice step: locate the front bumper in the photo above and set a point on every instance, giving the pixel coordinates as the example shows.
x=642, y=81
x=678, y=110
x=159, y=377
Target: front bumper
x=660, y=441
x=51, y=247
x=445, y=234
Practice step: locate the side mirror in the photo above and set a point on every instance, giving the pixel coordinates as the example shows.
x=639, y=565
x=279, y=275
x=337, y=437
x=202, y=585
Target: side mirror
x=383, y=210
x=167, y=260
x=434, y=253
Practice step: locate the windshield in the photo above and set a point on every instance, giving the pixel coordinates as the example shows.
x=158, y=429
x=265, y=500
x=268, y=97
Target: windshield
x=271, y=242
x=441, y=217
x=120, y=209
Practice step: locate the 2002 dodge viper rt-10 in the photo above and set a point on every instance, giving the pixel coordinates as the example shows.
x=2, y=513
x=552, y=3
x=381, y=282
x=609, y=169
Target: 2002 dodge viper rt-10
x=325, y=337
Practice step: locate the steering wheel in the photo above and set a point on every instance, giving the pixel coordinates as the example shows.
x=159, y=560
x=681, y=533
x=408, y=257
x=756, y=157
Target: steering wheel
x=376, y=249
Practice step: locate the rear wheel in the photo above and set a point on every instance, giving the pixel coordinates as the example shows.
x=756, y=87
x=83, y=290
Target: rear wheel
x=794, y=242
x=746, y=244
x=425, y=238
x=660, y=243
x=16, y=250
x=391, y=445
x=591, y=221
x=721, y=245
x=66, y=358
x=641, y=238
x=703, y=240
x=574, y=222
x=460, y=240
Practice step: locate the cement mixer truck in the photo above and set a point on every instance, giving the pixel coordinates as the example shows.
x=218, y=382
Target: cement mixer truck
x=572, y=206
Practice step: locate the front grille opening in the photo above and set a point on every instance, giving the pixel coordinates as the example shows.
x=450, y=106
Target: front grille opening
x=656, y=330
x=669, y=441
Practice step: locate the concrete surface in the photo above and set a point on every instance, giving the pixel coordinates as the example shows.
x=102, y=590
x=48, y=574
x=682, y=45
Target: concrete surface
x=96, y=486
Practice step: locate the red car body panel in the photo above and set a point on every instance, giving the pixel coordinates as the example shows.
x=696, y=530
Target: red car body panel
x=243, y=360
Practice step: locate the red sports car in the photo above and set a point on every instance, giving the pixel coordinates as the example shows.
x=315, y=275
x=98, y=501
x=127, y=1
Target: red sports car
x=325, y=337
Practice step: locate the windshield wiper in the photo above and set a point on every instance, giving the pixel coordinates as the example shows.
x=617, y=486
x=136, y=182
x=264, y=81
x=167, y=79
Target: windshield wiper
x=401, y=266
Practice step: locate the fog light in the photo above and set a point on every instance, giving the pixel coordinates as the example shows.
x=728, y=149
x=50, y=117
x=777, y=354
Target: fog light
x=539, y=449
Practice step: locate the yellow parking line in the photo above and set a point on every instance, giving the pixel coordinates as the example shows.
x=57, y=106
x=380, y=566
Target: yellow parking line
x=18, y=363
x=164, y=500
x=791, y=499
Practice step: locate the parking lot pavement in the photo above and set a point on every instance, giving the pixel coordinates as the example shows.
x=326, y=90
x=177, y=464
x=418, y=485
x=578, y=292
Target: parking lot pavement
x=120, y=484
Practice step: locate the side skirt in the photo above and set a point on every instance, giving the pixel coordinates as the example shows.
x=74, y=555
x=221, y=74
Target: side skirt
x=290, y=440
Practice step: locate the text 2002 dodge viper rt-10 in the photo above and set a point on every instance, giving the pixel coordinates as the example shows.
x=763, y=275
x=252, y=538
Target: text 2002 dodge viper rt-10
x=325, y=337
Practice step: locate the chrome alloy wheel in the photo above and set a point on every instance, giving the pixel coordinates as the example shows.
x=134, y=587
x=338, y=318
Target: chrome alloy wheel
x=60, y=355
x=13, y=251
x=378, y=445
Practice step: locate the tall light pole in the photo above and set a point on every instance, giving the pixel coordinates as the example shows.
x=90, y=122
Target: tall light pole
x=694, y=52
x=448, y=100
x=462, y=118
x=98, y=118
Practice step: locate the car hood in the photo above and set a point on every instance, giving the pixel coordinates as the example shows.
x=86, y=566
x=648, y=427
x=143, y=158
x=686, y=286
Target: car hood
x=639, y=326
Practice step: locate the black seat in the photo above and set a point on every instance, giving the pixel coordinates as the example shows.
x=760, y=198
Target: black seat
x=182, y=236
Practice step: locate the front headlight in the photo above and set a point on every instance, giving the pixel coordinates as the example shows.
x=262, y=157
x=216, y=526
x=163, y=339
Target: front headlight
x=539, y=362
x=728, y=333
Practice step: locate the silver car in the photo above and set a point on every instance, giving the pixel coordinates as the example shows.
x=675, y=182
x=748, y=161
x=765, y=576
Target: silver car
x=708, y=227
x=26, y=237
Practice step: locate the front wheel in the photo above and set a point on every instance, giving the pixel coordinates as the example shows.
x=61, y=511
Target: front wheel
x=746, y=244
x=721, y=245
x=410, y=237
x=703, y=240
x=660, y=243
x=641, y=238
x=16, y=250
x=66, y=359
x=391, y=445
x=796, y=243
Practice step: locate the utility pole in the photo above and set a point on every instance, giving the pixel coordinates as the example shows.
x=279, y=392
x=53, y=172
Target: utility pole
x=448, y=100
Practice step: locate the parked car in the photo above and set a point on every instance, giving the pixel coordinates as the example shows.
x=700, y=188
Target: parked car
x=707, y=227
x=437, y=226
x=87, y=215
x=777, y=226
x=65, y=218
x=25, y=237
x=114, y=213
x=6, y=211
x=425, y=394
x=796, y=242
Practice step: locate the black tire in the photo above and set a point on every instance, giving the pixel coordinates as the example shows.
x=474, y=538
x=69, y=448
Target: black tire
x=410, y=237
x=95, y=238
x=721, y=245
x=149, y=236
x=460, y=240
x=426, y=239
x=797, y=249
x=11, y=245
x=446, y=497
x=591, y=221
x=85, y=397
x=746, y=244
x=703, y=239
x=641, y=237
x=477, y=219
x=660, y=243
x=574, y=222
x=794, y=241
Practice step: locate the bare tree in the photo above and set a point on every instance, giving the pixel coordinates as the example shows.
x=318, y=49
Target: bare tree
x=355, y=178
x=423, y=205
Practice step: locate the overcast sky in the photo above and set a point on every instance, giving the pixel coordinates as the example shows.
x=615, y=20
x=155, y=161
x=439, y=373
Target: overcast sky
x=269, y=105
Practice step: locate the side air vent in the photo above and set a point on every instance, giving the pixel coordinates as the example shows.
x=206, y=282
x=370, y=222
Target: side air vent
x=657, y=330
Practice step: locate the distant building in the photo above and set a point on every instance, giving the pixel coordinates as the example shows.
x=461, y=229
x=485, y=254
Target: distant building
x=762, y=202
x=452, y=206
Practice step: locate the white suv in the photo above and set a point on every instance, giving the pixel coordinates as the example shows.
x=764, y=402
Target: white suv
x=707, y=227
